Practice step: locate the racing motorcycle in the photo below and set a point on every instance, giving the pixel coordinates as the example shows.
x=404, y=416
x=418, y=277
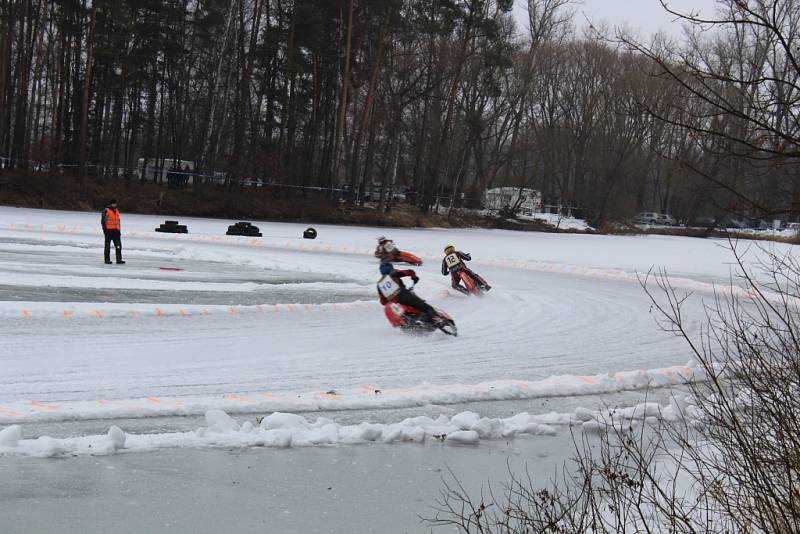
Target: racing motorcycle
x=473, y=286
x=412, y=320
x=404, y=256
x=392, y=254
x=472, y=283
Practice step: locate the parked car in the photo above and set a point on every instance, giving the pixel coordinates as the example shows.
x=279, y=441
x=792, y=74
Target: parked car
x=650, y=217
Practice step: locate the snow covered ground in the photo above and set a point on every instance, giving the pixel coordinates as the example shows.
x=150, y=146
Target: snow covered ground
x=199, y=336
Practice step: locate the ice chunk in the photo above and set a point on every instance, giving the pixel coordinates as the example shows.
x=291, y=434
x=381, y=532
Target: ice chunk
x=322, y=422
x=463, y=437
x=327, y=434
x=369, y=432
x=284, y=420
x=49, y=447
x=488, y=428
x=280, y=437
x=117, y=437
x=646, y=409
x=219, y=421
x=538, y=429
x=592, y=427
x=465, y=420
x=9, y=437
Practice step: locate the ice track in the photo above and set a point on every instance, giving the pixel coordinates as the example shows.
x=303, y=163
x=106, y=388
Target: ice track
x=211, y=335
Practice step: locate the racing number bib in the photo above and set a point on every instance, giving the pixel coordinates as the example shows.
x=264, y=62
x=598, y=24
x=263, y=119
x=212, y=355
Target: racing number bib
x=388, y=287
x=452, y=261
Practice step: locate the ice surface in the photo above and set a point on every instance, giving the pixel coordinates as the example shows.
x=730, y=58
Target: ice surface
x=278, y=324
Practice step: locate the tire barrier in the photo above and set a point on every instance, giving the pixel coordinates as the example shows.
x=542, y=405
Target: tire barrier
x=172, y=227
x=245, y=229
x=310, y=233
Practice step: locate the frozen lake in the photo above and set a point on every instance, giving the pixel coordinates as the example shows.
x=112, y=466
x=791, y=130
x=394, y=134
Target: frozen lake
x=252, y=326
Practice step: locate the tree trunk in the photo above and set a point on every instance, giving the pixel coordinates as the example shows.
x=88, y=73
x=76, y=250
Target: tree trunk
x=365, y=114
x=343, y=101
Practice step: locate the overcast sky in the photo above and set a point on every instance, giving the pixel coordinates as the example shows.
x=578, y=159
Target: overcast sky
x=646, y=16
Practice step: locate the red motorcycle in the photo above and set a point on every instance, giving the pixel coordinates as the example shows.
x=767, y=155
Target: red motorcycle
x=473, y=286
x=404, y=256
x=413, y=320
x=388, y=252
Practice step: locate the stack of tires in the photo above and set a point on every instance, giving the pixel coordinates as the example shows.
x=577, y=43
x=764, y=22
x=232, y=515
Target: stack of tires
x=310, y=233
x=172, y=227
x=243, y=228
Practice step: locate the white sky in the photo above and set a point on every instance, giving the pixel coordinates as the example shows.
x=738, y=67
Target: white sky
x=644, y=16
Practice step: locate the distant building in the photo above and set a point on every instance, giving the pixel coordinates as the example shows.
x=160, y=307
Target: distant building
x=527, y=200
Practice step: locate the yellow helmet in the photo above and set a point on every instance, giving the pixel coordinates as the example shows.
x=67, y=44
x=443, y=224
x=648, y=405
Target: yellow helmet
x=449, y=248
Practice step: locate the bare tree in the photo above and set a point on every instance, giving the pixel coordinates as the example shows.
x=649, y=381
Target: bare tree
x=722, y=459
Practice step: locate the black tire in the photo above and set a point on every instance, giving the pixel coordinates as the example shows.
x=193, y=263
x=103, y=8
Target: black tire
x=448, y=326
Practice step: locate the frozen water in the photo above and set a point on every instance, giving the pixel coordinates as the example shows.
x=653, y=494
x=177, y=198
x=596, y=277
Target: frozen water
x=107, y=360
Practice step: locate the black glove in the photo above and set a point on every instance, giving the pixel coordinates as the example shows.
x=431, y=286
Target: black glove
x=415, y=279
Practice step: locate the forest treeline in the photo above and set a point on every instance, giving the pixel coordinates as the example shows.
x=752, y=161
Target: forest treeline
x=439, y=98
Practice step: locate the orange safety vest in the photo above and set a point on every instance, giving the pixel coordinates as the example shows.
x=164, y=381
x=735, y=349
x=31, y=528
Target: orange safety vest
x=112, y=219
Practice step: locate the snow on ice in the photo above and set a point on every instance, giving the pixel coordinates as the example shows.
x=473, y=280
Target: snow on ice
x=279, y=325
x=284, y=430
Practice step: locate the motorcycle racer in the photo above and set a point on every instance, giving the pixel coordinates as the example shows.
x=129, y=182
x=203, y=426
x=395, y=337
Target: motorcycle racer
x=453, y=262
x=386, y=250
x=392, y=289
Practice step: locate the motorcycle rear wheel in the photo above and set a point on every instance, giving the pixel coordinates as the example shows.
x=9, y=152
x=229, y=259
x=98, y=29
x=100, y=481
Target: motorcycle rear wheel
x=449, y=327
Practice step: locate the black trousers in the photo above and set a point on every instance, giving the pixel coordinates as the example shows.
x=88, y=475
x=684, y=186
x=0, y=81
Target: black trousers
x=112, y=235
x=410, y=299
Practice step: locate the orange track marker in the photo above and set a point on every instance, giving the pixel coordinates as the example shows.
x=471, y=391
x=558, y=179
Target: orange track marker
x=44, y=406
x=238, y=397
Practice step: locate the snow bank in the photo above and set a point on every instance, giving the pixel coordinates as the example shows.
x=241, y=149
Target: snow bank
x=284, y=430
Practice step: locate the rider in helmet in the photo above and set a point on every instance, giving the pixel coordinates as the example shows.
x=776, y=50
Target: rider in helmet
x=453, y=262
x=392, y=289
x=386, y=250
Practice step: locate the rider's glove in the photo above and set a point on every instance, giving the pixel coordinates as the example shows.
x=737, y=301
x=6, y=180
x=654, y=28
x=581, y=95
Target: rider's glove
x=415, y=279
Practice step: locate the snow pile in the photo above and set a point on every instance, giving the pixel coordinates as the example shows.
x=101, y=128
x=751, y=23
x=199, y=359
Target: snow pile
x=680, y=407
x=558, y=221
x=285, y=430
